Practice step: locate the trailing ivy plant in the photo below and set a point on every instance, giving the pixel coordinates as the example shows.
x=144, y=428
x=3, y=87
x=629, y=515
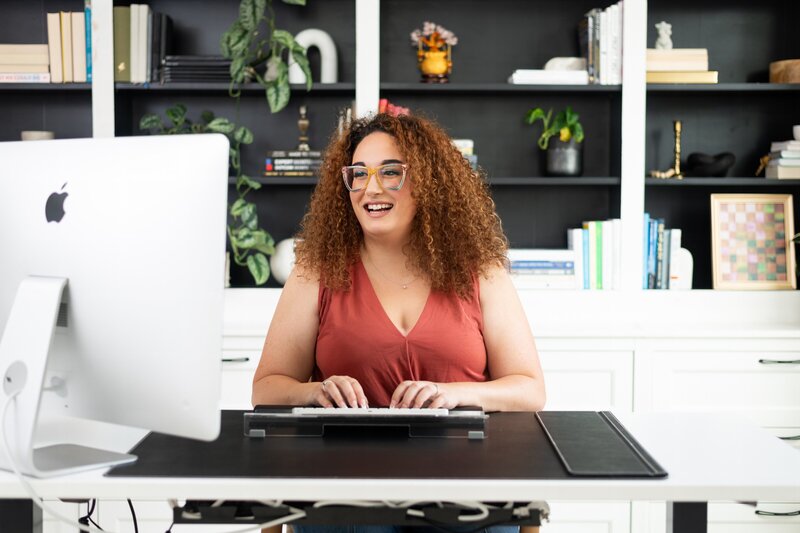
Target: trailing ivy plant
x=250, y=244
x=249, y=49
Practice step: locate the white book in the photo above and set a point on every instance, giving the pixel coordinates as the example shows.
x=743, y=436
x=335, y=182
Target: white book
x=616, y=243
x=786, y=154
x=54, y=47
x=142, y=42
x=777, y=146
x=784, y=162
x=78, y=20
x=41, y=58
x=549, y=77
x=674, y=257
x=19, y=69
x=615, y=45
x=575, y=243
x=148, y=44
x=25, y=77
x=65, y=20
x=608, y=254
x=592, y=226
x=134, y=43
x=604, y=40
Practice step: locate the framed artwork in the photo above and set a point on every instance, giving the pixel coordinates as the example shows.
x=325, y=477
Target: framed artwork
x=751, y=242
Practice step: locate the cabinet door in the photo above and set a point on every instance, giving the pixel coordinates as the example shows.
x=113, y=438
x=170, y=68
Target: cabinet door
x=586, y=517
x=68, y=510
x=115, y=515
x=764, y=386
x=588, y=380
x=237, y=380
x=651, y=517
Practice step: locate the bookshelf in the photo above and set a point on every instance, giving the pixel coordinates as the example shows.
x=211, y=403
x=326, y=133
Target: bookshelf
x=628, y=126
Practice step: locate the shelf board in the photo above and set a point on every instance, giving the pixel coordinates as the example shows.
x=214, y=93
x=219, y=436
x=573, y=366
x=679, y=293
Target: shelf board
x=494, y=88
x=52, y=87
x=332, y=88
x=554, y=181
x=721, y=182
x=723, y=87
x=280, y=180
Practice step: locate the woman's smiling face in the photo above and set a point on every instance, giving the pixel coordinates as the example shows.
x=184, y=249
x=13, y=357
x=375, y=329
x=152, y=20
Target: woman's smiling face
x=382, y=212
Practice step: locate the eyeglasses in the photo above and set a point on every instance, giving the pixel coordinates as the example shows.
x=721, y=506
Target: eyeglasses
x=390, y=176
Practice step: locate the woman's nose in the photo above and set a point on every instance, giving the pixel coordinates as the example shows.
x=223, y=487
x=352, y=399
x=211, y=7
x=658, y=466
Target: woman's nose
x=374, y=184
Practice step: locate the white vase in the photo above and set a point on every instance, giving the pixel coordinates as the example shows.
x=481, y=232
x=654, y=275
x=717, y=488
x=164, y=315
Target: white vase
x=282, y=261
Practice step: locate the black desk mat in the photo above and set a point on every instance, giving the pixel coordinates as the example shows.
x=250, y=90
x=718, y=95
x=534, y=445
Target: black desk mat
x=516, y=448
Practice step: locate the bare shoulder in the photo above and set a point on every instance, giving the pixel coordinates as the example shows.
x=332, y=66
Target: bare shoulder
x=496, y=277
x=302, y=286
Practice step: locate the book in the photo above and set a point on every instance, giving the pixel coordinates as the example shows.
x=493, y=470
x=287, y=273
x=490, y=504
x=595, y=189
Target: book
x=677, y=59
x=575, y=243
x=54, y=48
x=784, y=162
x=674, y=268
x=682, y=76
x=24, y=68
x=549, y=77
x=23, y=49
x=778, y=146
x=87, y=14
x=36, y=55
x=294, y=153
x=65, y=19
x=298, y=173
x=645, y=248
x=78, y=20
x=122, y=43
x=785, y=154
x=781, y=172
x=25, y=77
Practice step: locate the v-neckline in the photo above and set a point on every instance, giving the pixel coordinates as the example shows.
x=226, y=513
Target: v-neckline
x=383, y=309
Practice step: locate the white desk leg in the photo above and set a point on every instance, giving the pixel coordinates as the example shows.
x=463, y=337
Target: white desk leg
x=687, y=517
x=20, y=515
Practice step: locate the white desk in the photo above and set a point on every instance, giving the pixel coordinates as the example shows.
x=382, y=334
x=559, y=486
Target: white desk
x=708, y=457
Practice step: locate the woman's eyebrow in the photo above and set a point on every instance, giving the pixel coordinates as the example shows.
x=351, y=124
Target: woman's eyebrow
x=384, y=162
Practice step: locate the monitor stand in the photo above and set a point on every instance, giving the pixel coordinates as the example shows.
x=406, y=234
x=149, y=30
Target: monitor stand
x=24, y=350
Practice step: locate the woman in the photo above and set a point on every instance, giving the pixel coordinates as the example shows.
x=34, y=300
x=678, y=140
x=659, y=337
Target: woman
x=401, y=295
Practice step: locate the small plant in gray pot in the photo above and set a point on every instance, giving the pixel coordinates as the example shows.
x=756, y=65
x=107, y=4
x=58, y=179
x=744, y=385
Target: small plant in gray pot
x=564, y=153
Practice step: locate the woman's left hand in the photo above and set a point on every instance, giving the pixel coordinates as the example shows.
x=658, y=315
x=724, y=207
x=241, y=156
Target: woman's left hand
x=422, y=394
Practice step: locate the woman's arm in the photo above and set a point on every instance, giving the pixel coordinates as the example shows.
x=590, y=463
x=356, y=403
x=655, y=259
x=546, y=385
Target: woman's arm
x=516, y=380
x=287, y=360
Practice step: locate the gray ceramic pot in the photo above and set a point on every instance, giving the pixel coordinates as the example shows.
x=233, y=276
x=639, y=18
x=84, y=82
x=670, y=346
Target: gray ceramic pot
x=564, y=158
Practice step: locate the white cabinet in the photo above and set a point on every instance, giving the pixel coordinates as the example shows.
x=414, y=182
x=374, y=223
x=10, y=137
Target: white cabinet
x=724, y=517
x=155, y=516
x=73, y=511
x=583, y=380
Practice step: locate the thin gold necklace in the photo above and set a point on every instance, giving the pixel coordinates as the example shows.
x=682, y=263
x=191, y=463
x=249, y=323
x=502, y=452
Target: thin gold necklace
x=403, y=284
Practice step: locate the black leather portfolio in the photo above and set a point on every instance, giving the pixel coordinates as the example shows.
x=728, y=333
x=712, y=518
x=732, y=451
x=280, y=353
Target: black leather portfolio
x=517, y=448
x=596, y=444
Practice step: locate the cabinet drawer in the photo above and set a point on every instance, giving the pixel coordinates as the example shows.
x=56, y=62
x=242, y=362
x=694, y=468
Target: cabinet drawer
x=764, y=386
x=724, y=517
x=593, y=381
x=238, y=369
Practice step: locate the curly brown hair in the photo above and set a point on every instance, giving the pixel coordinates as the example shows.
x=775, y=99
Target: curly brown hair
x=456, y=233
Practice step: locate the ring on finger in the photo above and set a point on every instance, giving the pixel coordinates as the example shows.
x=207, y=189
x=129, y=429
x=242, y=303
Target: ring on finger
x=325, y=383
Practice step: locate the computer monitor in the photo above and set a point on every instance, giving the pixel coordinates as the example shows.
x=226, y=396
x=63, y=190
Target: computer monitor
x=112, y=256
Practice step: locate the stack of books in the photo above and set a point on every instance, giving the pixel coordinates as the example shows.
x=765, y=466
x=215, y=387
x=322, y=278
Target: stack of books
x=597, y=248
x=600, y=41
x=543, y=268
x=24, y=63
x=292, y=163
x=195, y=69
x=679, y=65
x=141, y=43
x=784, y=160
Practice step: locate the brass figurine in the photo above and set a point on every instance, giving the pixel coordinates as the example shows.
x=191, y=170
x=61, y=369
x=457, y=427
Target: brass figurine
x=303, y=124
x=675, y=171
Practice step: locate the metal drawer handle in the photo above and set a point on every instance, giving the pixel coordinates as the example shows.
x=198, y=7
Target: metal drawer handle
x=770, y=513
x=793, y=437
x=235, y=359
x=779, y=361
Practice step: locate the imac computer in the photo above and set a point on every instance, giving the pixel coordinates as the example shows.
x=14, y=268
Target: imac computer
x=112, y=256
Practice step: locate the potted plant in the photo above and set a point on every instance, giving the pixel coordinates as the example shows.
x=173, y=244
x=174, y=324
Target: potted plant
x=249, y=243
x=564, y=154
x=249, y=50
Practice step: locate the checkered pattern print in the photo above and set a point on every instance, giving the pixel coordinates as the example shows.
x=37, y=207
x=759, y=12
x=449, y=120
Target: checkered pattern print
x=752, y=241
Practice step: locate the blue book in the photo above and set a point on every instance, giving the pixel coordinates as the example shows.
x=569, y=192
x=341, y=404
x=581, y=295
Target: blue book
x=87, y=11
x=645, y=248
x=585, y=258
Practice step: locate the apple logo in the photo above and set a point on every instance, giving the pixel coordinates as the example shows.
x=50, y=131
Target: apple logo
x=54, y=208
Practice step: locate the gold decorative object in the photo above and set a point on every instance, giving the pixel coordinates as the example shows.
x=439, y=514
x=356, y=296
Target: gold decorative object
x=303, y=124
x=675, y=171
x=434, y=52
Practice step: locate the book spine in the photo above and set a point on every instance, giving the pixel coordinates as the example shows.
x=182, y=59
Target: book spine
x=87, y=13
x=591, y=230
x=575, y=243
x=651, y=253
x=66, y=45
x=660, y=254
x=54, y=48
x=674, y=246
x=608, y=254
x=78, y=21
x=122, y=43
x=645, y=247
x=585, y=238
x=666, y=261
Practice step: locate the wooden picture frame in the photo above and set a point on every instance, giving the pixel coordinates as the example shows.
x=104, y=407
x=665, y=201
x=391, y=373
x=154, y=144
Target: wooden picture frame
x=751, y=241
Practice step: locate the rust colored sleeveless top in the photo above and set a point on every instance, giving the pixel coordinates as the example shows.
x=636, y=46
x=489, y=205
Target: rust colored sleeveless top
x=356, y=338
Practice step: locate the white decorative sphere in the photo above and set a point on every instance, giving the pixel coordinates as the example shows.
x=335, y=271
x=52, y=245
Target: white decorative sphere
x=282, y=261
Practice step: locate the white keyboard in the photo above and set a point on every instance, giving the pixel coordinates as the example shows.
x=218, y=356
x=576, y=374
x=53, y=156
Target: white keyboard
x=368, y=411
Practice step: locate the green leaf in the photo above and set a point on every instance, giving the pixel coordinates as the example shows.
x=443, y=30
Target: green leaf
x=301, y=59
x=177, y=114
x=251, y=12
x=259, y=267
x=248, y=182
x=537, y=114
x=244, y=238
x=577, y=132
x=235, y=41
x=207, y=116
x=264, y=242
x=250, y=216
x=151, y=121
x=278, y=91
x=295, y=2
x=221, y=125
x=283, y=37
x=238, y=69
x=243, y=135
x=238, y=206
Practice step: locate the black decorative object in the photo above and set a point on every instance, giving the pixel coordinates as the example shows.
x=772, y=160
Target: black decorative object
x=705, y=165
x=564, y=158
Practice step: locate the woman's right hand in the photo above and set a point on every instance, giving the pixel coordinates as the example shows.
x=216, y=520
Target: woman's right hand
x=339, y=391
